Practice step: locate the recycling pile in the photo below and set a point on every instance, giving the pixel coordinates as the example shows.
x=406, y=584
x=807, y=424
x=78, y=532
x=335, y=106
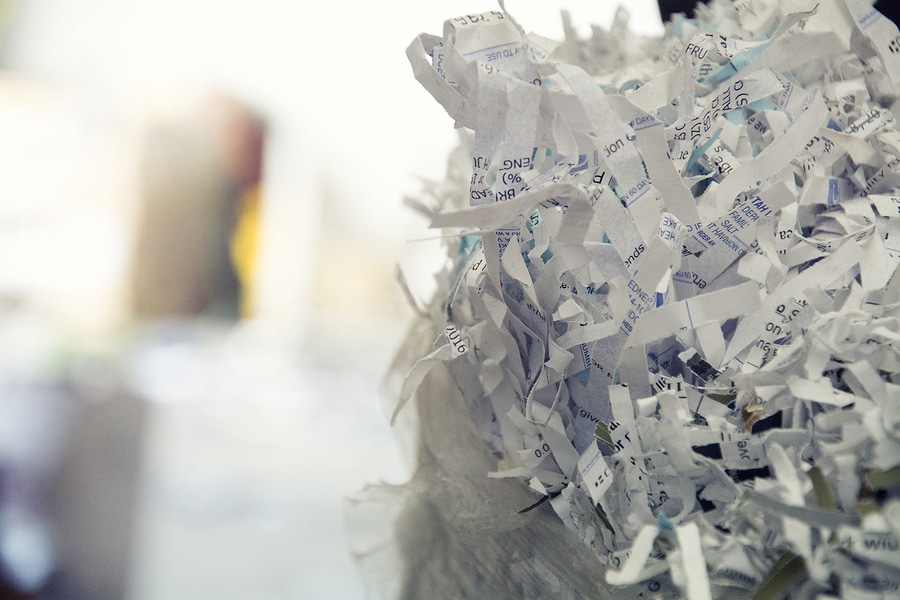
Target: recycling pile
x=662, y=360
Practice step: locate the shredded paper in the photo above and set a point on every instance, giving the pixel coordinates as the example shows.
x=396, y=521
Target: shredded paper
x=663, y=359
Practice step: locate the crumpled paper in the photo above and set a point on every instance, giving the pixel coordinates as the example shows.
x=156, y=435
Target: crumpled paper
x=662, y=360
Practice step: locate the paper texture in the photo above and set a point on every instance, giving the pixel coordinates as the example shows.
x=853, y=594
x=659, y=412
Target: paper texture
x=670, y=314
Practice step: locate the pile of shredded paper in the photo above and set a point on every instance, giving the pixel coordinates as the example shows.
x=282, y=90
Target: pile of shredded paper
x=663, y=359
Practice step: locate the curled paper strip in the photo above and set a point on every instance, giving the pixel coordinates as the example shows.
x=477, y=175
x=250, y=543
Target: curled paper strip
x=672, y=264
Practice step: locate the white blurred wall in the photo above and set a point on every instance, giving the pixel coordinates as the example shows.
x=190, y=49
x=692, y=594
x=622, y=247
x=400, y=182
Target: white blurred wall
x=331, y=77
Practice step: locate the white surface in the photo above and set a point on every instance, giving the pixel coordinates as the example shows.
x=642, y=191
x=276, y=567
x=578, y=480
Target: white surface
x=246, y=468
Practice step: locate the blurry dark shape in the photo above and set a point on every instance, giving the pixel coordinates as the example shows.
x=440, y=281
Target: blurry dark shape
x=200, y=180
x=889, y=8
x=34, y=427
x=667, y=8
x=239, y=137
x=96, y=494
x=70, y=454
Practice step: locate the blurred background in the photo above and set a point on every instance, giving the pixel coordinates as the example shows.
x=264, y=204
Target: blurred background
x=200, y=220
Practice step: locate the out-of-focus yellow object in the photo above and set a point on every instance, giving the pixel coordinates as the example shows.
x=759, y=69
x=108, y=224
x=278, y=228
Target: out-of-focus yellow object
x=244, y=245
x=200, y=213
